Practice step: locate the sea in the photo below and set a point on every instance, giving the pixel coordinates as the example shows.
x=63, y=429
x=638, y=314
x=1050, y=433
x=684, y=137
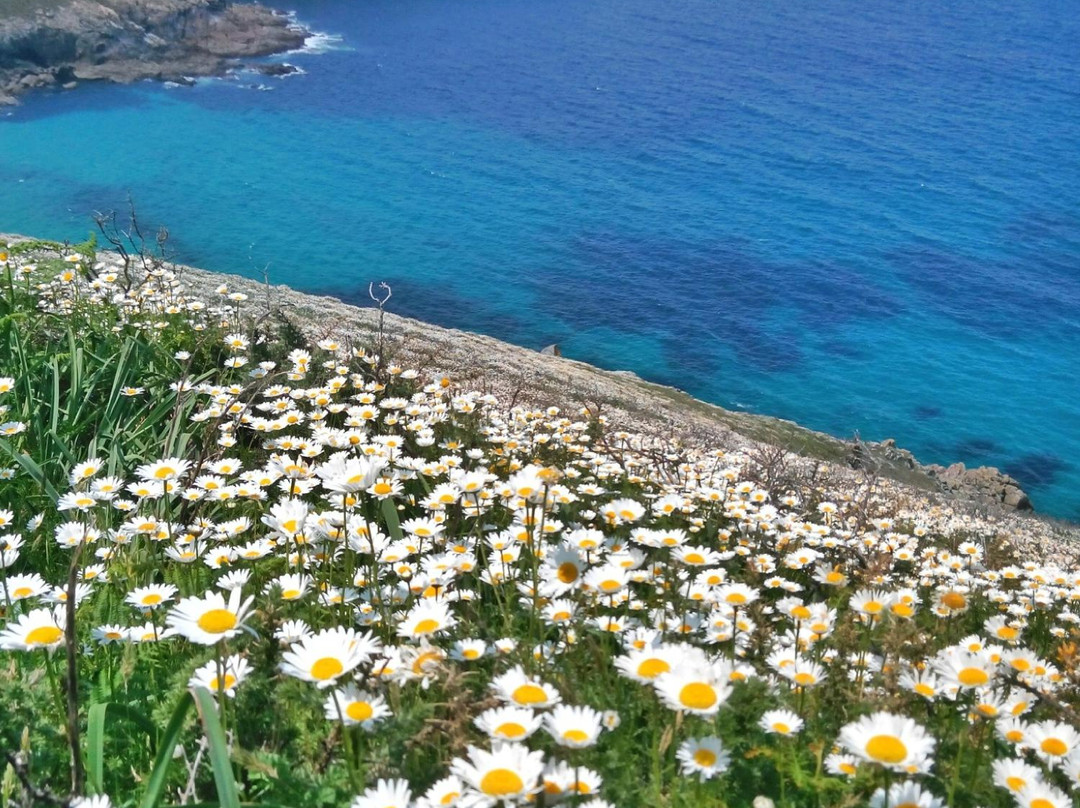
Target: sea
x=864, y=217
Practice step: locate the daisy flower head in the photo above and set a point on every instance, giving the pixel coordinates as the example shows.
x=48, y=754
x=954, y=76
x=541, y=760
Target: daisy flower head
x=39, y=628
x=508, y=773
x=893, y=741
x=445, y=793
x=574, y=727
x=698, y=689
x=508, y=723
x=206, y=620
x=1053, y=741
x=328, y=655
x=1015, y=774
x=1042, y=795
x=356, y=707
x=516, y=688
x=705, y=757
x=225, y=679
x=169, y=468
x=905, y=795
x=427, y=618
x=781, y=722
x=385, y=794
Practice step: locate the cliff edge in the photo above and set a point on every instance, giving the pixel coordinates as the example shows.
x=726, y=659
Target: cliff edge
x=48, y=43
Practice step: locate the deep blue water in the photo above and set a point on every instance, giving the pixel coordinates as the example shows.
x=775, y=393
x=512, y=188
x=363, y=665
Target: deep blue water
x=861, y=216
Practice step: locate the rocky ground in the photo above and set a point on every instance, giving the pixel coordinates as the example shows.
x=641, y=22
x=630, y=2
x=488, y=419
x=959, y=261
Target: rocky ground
x=58, y=43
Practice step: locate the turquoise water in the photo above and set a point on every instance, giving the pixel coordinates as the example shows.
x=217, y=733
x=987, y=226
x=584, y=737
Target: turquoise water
x=863, y=219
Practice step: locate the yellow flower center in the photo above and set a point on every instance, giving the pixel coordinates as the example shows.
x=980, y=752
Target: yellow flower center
x=834, y=577
x=510, y=729
x=800, y=613
x=973, y=677
x=217, y=621
x=872, y=607
x=651, y=668
x=44, y=635
x=326, y=668
x=704, y=758
x=1014, y=735
x=567, y=572
x=886, y=749
x=781, y=727
x=954, y=600
x=291, y=594
x=501, y=783
x=697, y=696
x=382, y=489
x=803, y=679
x=1021, y=664
x=359, y=711
x=165, y=472
x=153, y=599
x=924, y=690
x=736, y=598
x=1054, y=746
x=230, y=680
x=529, y=694
x=470, y=653
x=22, y=592
x=610, y=586
x=1039, y=802
x=576, y=736
x=1015, y=783
x=1008, y=633
x=902, y=610
x=449, y=798
x=694, y=558
x=426, y=626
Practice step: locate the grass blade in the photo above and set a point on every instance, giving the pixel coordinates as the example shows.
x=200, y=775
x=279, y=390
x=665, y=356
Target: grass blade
x=389, y=509
x=155, y=785
x=95, y=747
x=219, y=748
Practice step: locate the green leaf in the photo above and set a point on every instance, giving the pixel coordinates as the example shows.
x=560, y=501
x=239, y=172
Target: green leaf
x=219, y=748
x=389, y=509
x=155, y=787
x=95, y=747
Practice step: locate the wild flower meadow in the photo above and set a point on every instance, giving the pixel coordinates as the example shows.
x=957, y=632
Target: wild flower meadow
x=238, y=569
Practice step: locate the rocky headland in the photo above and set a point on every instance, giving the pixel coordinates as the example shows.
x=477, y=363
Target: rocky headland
x=59, y=43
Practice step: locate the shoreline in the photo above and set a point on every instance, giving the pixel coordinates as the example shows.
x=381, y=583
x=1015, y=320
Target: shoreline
x=58, y=44
x=670, y=418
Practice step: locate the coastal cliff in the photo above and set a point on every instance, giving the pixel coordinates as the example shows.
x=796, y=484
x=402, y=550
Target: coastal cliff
x=49, y=43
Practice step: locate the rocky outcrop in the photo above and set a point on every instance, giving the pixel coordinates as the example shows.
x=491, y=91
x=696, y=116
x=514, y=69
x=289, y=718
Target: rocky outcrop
x=985, y=482
x=66, y=41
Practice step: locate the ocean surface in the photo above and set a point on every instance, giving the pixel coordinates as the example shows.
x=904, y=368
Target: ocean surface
x=861, y=216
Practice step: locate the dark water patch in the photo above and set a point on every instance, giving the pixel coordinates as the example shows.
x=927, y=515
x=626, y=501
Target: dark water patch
x=926, y=412
x=1037, y=469
x=1005, y=298
x=842, y=349
x=446, y=307
x=711, y=296
x=976, y=448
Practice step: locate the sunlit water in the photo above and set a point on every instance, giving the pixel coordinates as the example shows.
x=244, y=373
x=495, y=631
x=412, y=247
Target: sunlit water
x=863, y=217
